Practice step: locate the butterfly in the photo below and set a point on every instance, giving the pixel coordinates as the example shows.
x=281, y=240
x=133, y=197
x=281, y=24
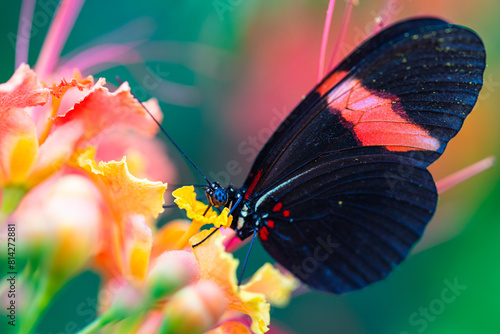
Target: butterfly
x=340, y=193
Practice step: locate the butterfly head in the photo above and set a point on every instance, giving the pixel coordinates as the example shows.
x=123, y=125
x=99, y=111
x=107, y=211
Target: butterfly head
x=219, y=196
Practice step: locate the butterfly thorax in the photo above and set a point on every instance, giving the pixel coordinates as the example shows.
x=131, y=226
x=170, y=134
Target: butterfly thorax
x=245, y=219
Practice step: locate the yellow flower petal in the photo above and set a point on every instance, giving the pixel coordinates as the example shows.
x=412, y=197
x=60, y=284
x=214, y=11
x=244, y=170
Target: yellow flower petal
x=138, y=242
x=18, y=146
x=185, y=198
x=124, y=193
x=218, y=266
x=276, y=286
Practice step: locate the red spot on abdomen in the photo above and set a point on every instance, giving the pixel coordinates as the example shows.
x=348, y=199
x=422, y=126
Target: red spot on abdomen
x=263, y=233
x=286, y=213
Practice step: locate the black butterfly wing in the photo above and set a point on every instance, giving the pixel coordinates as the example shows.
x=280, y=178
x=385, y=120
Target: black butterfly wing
x=407, y=90
x=340, y=224
x=348, y=166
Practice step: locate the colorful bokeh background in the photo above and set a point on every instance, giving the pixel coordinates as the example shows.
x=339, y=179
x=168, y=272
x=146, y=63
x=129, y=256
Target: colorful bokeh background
x=227, y=71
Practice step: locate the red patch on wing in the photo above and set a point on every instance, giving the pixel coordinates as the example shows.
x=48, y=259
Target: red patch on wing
x=286, y=213
x=263, y=233
x=278, y=207
x=330, y=82
x=254, y=183
x=378, y=119
x=270, y=223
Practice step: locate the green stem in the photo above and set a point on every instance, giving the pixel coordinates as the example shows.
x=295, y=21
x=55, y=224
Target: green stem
x=168, y=326
x=40, y=301
x=11, y=197
x=131, y=324
x=114, y=315
x=95, y=325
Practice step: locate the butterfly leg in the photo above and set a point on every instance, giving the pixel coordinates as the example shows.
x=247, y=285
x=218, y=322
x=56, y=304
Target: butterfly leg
x=208, y=236
x=246, y=258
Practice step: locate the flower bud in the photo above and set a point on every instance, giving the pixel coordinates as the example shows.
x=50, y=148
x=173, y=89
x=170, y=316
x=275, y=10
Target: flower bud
x=194, y=309
x=231, y=327
x=127, y=300
x=60, y=225
x=170, y=272
x=73, y=209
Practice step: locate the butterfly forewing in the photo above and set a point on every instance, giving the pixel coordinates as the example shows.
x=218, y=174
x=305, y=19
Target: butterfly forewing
x=406, y=90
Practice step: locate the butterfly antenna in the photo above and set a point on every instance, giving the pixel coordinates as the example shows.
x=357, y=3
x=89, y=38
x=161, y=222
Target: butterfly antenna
x=246, y=258
x=167, y=135
x=183, y=185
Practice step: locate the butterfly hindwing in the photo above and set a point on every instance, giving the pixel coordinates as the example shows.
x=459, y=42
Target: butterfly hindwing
x=341, y=224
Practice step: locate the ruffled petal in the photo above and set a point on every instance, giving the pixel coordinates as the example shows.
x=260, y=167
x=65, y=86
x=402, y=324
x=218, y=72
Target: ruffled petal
x=277, y=287
x=22, y=90
x=146, y=157
x=100, y=110
x=185, y=198
x=124, y=193
x=220, y=267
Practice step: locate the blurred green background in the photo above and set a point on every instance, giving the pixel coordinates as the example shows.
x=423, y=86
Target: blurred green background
x=225, y=70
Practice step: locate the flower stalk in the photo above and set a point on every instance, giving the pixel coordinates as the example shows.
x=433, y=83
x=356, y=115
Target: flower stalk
x=11, y=197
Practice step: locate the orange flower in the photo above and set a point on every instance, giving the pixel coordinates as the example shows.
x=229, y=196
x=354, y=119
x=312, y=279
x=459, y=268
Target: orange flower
x=34, y=148
x=31, y=151
x=126, y=237
x=213, y=296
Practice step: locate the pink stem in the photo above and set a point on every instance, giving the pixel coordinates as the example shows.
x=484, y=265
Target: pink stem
x=324, y=39
x=60, y=28
x=464, y=174
x=101, y=54
x=342, y=34
x=24, y=32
